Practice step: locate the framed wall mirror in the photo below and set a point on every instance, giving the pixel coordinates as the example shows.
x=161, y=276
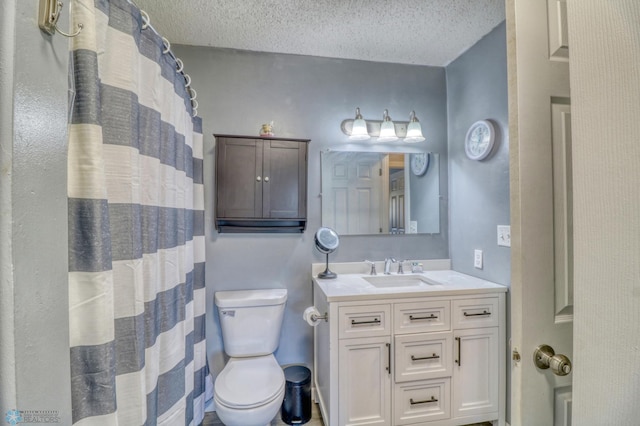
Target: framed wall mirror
x=373, y=193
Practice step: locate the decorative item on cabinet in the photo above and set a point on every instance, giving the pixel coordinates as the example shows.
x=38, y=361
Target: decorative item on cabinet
x=261, y=184
x=267, y=130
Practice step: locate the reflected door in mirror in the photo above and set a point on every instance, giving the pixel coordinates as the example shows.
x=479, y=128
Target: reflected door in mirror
x=351, y=199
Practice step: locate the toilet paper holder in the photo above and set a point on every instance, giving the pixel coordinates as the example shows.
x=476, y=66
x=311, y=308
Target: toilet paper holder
x=316, y=317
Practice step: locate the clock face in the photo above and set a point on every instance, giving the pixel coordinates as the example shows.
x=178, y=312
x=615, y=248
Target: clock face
x=479, y=140
x=419, y=163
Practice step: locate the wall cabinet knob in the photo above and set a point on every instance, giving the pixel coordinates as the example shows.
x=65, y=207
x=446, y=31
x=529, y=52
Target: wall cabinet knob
x=266, y=178
x=258, y=178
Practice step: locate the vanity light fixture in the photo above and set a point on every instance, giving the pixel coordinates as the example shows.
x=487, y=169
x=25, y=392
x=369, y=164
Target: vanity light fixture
x=387, y=129
x=414, y=129
x=359, y=129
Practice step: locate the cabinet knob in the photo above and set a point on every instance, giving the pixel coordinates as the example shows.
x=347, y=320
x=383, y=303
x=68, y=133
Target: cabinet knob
x=266, y=178
x=258, y=178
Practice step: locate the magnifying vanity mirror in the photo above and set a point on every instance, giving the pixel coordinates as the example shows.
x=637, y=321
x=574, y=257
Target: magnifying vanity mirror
x=327, y=241
x=373, y=193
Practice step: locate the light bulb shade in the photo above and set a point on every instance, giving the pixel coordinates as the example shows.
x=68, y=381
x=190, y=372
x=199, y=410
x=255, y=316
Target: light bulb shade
x=387, y=132
x=359, y=130
x=414, y=132
x=387, y=129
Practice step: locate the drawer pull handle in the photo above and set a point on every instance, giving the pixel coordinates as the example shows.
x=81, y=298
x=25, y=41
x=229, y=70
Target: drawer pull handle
x=459, y=360
x=412, y=318
x=433, y=399
x=375, y=321
x=419, y=358
x=484, y=313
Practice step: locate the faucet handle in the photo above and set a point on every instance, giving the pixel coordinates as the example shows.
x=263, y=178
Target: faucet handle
x=373, y=267
x=400, y=268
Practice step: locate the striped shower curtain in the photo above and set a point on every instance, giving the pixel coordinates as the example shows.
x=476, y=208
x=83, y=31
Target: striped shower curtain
x=136, y=230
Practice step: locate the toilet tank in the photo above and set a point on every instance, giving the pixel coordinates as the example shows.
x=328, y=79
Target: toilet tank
x=250, y=320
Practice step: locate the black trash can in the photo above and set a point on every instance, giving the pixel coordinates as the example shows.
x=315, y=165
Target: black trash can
x=296, y=407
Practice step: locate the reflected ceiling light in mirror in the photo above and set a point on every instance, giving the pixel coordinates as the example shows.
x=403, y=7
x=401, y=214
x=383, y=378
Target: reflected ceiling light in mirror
x=414, y=129
x=387, y=129
x=359, y=129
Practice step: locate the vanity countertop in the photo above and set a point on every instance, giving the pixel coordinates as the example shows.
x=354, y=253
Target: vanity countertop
x=355, y=287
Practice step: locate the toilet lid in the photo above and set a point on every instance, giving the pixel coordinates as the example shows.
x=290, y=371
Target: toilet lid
x=249, y=382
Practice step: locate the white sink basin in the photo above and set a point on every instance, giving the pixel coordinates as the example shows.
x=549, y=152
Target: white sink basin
x=385, y=281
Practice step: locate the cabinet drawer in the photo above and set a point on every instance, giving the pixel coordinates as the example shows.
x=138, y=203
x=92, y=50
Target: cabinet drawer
x=423, y=401
x=420, y=317
x=423, y=356
x=472, y=313
x=364, y=321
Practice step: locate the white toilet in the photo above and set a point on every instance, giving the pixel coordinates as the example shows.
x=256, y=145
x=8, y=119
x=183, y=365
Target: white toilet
x=250, y=389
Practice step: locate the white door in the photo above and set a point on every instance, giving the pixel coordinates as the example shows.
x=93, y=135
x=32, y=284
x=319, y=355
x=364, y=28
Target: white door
x=351, y=192
x=397, y=202
x=604, y=200
x=541, y=304
x=605, y=86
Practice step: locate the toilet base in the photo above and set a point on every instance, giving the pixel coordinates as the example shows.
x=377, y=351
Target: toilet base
x=257, y=416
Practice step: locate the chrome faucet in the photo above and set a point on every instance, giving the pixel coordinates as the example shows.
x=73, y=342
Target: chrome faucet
x=373, y=267
x=387, y=265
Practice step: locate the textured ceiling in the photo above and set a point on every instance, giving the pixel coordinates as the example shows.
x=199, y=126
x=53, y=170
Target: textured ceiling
x=421, y=32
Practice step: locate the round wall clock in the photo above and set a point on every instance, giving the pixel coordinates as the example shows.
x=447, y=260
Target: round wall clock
x=479, y=140
x=419, y=163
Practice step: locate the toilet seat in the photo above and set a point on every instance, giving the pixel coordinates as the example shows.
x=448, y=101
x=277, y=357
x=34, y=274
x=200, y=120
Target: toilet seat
x=249, y=382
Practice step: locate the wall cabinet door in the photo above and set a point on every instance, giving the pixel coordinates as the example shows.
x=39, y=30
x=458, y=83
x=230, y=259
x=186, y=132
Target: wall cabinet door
x=284, y=179
x=365, y=381
x=475, y=371
x=239, y=178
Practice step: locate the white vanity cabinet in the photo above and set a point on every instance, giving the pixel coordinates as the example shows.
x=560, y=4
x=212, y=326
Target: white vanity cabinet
x=432, y=358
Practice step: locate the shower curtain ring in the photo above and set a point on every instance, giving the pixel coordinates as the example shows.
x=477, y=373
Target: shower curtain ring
x=187, y=80
x=194, y=104
x=192, y=93
x=194, y=113
x=166, y=44
x=145, y=19
x=179, y=64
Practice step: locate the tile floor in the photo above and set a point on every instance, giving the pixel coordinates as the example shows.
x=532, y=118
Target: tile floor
x=211, y=419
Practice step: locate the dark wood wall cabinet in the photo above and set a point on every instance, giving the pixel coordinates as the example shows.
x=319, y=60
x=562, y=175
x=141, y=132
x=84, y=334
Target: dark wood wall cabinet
x=261, y=184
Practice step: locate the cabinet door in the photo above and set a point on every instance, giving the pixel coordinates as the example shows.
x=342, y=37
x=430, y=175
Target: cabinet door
x=285, y=179
x=365, y=381
x=239, y=178
x=476, y=372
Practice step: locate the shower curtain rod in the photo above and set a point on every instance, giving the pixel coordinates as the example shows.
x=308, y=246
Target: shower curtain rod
x=179, y=64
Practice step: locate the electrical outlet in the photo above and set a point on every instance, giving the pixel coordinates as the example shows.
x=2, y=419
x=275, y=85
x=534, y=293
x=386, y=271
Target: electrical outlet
x=413, y=226
x=504, y=235
x=477, y=259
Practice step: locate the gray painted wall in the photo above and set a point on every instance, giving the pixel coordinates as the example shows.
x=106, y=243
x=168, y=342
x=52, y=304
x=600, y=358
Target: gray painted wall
x=479, y=190
x=34, y=331
x=306, y=97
